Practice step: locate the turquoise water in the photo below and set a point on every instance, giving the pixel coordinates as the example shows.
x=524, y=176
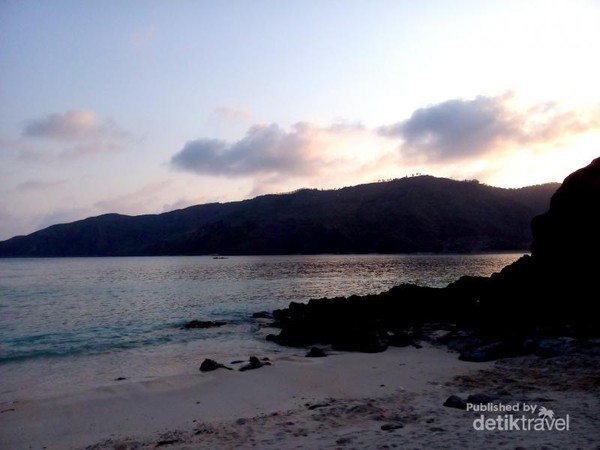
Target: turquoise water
x=69, y=323
x=62, y=307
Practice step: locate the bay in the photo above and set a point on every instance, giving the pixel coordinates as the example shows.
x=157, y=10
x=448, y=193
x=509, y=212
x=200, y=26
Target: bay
x=102, y=318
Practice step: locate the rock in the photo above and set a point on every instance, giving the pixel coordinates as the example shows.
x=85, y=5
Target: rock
x=254, y=363
x=547, y=348
x=358, y=340
x=484, y=353
x=461, y=342
x=315, y=352
x=166, y=442
x=565, y=247
x=208, y=365
x=568, y=232
x=454, y=401
x=391, y=426
x=262, y=315
x=318, y=405
x=496, y=350
x=203, y=324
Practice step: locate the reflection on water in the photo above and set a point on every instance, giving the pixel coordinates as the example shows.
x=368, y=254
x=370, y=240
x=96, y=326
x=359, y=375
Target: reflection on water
x=70, y=306
x=68, y=324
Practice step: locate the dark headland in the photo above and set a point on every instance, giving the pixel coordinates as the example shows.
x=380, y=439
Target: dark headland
x=415, y=214
x=531, y=306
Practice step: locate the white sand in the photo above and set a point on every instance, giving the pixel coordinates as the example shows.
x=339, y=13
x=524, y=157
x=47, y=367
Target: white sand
x=341, y=401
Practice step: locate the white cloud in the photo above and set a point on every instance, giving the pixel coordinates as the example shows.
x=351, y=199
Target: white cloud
x=458, y=129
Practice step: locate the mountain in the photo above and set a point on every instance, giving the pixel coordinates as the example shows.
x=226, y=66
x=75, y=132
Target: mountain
x=417, y=214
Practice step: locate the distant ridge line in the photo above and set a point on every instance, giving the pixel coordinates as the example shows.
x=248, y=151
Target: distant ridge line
x=405, y=215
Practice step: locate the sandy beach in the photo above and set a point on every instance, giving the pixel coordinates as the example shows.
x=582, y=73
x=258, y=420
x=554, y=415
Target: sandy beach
x=346, y=400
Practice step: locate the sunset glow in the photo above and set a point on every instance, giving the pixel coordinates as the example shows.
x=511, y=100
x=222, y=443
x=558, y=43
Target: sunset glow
x=146, y=107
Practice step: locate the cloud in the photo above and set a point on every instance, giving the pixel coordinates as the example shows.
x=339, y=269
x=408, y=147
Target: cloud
x=457, y=129
x=89, y=149
x=265, y=149
x=140, y=201
x=36, y=186
x=73, y=124
x=76, y=124
x=79, y=130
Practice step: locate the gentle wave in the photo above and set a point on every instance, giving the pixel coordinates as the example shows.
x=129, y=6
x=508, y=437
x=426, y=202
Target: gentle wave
x=69, y=307
x=106, y=340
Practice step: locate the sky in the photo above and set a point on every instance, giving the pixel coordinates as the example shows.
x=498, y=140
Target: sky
x=142, y=107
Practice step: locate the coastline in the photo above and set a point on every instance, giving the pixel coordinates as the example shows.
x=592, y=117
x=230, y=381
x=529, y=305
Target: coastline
x=143, y=411
x=346, y=400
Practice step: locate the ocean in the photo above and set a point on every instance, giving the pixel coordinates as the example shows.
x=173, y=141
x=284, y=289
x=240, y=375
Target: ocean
x=75, y=323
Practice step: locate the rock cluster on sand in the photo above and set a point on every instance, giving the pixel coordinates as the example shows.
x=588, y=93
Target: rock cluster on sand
x=521, y=310
x=208, y=365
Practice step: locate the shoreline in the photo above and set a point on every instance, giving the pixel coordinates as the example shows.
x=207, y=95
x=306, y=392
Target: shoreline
x=142, y=410
x=346, y=400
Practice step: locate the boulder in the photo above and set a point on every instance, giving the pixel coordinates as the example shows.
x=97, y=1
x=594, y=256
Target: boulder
x=208, y=365
x=203, y=324
x=568, y=232
x=254, y=363
x=454, y=401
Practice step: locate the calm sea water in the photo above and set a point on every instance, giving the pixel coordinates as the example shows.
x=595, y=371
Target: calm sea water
x=85, y=318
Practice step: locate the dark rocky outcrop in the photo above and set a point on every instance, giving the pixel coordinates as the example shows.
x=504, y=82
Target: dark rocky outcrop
x=550, y=294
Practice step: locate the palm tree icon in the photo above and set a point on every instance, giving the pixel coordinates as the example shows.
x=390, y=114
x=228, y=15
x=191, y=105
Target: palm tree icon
x=546, y=413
